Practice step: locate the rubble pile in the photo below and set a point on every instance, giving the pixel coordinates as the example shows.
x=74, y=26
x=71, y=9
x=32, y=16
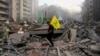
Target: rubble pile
x=34, y=44
x=52, y=52
x=77, y=40
x=34, y=53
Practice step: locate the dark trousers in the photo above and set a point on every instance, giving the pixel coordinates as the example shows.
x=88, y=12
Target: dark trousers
x=49, y=37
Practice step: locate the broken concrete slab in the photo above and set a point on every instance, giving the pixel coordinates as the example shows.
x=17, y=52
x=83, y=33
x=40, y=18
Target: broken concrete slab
x=67, y=53
x=34, y=44
x=59, y=43
x=95, y=48
x=84, y=40
x=52, y=52
x=16, y=37
x=90, y=53
x=73, y=34
x=93, y=35
x=35, y=53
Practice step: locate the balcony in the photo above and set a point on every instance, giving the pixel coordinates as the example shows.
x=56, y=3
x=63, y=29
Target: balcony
x=26, y=14
x=3, y=8
x=2, y=5
x=3, y=12
x=27, y=2
x=27, y=17
x=27, y=5
x=27, y=9
x=4, y=2
x=3, y=15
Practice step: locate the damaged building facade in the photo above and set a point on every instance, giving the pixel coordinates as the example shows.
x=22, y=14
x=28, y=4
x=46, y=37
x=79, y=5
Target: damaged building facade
x=4, y=9
x=72, y=39
x=91, y=10
x=18, y=10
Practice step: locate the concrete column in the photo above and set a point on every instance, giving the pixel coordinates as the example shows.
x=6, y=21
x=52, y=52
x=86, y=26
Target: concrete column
x=73, y=35
x=14, y=10
x=21, y=9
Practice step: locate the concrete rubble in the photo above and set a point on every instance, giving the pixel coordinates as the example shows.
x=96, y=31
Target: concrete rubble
x=75, y=41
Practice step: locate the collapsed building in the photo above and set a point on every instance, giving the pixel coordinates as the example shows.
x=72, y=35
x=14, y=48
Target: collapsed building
x=75, y=39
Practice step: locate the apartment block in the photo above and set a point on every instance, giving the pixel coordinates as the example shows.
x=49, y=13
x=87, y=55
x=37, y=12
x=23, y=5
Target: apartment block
x=27, y=10
x=35, y=10
x=19, y=10
x=4, y=9
x=24, y=9
x=90, y=11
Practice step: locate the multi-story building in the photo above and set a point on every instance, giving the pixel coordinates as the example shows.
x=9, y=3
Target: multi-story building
x=26, y=9
x=35, y=10
x=13, y=9
x=96, y=10
x=19, y=10
x=91, y=10
x=4, y=9
x=87, y=10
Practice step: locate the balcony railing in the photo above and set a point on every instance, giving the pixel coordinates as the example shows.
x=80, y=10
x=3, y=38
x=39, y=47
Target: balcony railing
x=4, y=1
x=3, y=12
x=3, y=15
x=27, y=2
x=27, y=5
x=3, y=8
x=26, y=14
x=27, y=9
x=2, y=5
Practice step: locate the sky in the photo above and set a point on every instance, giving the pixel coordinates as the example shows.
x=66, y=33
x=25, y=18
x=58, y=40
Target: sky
x=70, y=5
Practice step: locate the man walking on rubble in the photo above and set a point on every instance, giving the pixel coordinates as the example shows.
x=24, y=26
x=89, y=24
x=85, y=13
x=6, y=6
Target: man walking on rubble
x=50, y=34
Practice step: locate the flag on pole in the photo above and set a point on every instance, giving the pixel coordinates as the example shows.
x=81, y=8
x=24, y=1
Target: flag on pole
x=42, y=18
x=55, y=22
x=45, y=15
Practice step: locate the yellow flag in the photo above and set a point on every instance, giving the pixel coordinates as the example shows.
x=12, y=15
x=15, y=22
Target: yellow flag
x=55, y=22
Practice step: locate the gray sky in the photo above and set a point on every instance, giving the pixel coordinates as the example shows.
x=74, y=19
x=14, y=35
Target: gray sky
x=70, y=5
